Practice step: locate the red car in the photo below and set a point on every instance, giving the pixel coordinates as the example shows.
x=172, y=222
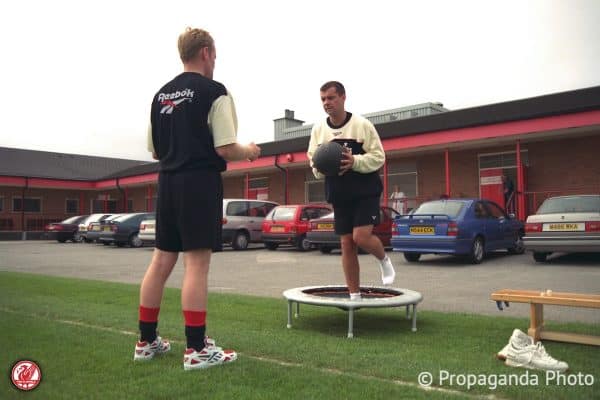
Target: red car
x=322, y=235
x=288, y=225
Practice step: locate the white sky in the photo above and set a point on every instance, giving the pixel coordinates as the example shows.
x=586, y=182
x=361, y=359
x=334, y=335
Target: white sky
x=78, y=77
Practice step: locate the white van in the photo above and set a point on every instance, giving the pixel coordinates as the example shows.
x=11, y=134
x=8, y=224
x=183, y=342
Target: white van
x=242, y=221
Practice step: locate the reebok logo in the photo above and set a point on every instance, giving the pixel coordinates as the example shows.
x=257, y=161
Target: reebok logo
x=170, y=101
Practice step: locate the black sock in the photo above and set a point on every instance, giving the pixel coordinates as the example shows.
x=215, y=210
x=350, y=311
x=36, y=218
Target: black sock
x=148, y=331
x=195, y=337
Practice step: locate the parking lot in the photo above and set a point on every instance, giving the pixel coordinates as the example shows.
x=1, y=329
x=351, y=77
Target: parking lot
x=447, y=283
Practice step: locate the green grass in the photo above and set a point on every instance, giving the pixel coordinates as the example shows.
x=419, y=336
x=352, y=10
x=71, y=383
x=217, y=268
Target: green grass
x=82, y=335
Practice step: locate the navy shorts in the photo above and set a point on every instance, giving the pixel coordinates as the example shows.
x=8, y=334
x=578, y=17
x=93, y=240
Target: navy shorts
x=358, y=212
x=189, y=210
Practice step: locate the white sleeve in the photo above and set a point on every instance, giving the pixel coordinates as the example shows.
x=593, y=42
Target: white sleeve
x=222, y=121
x=150, y=142
x=374, y=156
x=312, y=147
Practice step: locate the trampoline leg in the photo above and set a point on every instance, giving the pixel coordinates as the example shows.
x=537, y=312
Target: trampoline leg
x=414, y=318
x=351, y=323
x=289, y=324
x=297, y=310
x=408, y=311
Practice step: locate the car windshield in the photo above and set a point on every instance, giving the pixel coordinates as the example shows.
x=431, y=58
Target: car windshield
x=445, y=207
x=575, y=204
x=283, y=213
x=71, y=220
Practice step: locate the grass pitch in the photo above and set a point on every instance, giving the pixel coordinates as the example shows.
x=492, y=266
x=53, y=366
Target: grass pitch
x=82, y=335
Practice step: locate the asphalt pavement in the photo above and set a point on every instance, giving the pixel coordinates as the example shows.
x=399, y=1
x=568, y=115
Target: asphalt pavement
x=447, y=283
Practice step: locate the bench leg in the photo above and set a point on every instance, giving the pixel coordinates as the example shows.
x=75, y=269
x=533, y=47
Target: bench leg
x=536, y=323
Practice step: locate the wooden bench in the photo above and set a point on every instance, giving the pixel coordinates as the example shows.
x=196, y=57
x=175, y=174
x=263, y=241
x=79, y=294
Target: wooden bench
x=537, y=299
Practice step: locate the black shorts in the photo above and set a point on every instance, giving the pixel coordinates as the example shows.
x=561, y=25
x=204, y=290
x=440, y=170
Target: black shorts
x=189, y=210
x=358, y=212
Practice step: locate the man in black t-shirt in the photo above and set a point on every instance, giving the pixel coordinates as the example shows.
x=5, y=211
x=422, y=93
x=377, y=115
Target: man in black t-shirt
x=193, y=129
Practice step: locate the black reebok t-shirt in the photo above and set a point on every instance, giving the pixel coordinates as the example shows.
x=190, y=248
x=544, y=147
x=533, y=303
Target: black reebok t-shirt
x=179, y=118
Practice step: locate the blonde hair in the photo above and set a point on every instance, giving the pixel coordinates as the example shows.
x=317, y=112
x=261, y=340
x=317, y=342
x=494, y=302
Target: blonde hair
x=192, y=40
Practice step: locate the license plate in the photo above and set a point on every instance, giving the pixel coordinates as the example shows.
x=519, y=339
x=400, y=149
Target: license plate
x=95, y=228
x=278, y=229
x=324, y=226
x=422, y=230
x=564, y=227
x=107, y=229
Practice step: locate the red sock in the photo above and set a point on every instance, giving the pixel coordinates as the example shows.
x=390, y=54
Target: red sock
x=194, y=318
x=149, y=314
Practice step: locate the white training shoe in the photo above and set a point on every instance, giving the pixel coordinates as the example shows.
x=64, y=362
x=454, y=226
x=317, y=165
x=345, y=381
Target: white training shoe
x=211, y=355
x=387, y=271
x=355, y=297
x=146, y=351
x=533, y=357
x=519, y=339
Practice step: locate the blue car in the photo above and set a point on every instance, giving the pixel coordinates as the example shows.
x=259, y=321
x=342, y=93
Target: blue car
x=465, y=227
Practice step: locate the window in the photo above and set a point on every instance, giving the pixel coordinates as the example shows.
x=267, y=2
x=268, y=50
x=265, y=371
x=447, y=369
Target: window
x=129, y=205
x=72, y=206
x=260, y=209
x=237, y=209
x=31, y=204
x=495, y=211
x=98, y=206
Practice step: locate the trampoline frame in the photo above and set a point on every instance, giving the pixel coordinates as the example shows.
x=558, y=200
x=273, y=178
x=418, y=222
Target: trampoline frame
x=404, y=298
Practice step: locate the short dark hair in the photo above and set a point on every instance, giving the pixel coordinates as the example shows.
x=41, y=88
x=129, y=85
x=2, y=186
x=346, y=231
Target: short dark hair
x=339, y=88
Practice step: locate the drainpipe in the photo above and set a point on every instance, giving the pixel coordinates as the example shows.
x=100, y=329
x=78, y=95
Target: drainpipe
x=23, y=231
x=285, y=180
x=124, y=196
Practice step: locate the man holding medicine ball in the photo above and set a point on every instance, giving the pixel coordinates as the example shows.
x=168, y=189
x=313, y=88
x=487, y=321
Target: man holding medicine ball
x=356, y=190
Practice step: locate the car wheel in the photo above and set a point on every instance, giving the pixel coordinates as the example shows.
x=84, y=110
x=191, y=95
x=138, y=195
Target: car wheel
x=271, y=246
x=135, y=241
x=77, y=238
x=412, y=257
x=120, y=244
x=540, y=257
x=303, y=244
x=518, y=247
x=240, y=241
x=477, y=251
x=325, y=249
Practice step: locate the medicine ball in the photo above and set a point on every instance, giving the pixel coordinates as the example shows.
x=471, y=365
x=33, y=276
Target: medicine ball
x=328, y=158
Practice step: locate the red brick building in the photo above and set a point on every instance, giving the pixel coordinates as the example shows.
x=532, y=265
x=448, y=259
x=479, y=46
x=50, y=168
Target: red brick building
x=546, y=145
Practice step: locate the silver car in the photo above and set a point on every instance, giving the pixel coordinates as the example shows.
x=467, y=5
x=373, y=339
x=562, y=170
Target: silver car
x=147, y=231
x=242, y=221
x=564, y=224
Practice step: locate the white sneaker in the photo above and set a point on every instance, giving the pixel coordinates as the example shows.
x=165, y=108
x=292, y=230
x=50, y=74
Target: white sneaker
x=210, y=356
x=355, y=297
x=146, y=351
x=387, y=271
x=519, y=339
x=533, y=357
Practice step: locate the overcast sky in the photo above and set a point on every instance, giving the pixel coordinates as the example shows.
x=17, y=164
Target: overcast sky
x=78, y=77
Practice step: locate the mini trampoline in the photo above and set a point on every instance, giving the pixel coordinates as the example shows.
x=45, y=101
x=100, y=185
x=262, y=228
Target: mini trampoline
x=338, y=296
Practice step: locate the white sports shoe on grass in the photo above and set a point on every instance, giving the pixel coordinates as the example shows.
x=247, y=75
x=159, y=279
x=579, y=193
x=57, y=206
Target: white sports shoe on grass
x=387, y=271
x=146, y=351
x=519, y=339
x=211, y=355
x=533, y=357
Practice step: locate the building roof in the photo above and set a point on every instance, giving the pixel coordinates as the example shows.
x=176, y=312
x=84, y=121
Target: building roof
x=45, y=164
x=41, y=164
